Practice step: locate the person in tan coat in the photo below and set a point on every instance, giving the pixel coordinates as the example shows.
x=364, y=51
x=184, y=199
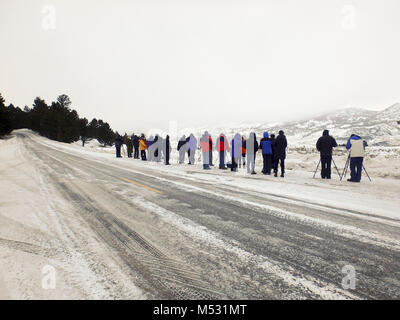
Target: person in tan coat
x=356, y=146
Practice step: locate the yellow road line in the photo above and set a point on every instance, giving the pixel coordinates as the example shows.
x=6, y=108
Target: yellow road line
x=141, y=185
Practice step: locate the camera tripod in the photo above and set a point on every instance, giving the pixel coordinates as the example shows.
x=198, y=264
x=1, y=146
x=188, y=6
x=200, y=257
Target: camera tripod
x=347, y=166
x=333, y=164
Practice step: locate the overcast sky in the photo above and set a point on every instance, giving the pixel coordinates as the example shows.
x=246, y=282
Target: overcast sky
x=141, y=64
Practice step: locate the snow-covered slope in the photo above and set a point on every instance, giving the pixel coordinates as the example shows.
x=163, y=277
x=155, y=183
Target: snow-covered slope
x=379, y=128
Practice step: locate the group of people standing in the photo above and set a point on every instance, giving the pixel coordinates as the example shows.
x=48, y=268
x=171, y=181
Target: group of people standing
x=151, y=149
x=243, y=151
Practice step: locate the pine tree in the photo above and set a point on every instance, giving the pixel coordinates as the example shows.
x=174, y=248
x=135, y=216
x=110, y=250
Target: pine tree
x=105, y=135
x=38, y=116
x=84, y=131
x=5, y=122
x=57, y=121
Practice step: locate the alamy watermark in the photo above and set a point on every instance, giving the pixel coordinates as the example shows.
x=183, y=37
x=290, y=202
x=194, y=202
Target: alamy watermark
x=349, y=281
x=48, y=277
x=49, y=19
x=349, y=17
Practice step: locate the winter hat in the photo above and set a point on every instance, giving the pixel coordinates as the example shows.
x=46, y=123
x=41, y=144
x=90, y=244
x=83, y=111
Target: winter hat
x=325, y=133
x=281, y=132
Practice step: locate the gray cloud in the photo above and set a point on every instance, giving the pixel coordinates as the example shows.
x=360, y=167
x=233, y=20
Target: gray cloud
x=140, y=64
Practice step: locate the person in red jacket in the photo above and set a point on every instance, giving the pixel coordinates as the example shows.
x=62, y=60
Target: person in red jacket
x=222, y=146
x=205, y=150
x=242, y=160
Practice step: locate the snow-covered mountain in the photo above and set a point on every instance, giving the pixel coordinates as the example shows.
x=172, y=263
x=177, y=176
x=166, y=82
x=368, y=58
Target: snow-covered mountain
x=379, y=128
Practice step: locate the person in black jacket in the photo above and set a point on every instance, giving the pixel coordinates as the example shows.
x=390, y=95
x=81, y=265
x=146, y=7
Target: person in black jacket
x=118, y=143
x=129, y=147
x=166, y=150
x=324, y=145
x=210, y=154
x=273, y=151
x=158, y=144
x=280, y=145
x=135, y=141
x=187, y=148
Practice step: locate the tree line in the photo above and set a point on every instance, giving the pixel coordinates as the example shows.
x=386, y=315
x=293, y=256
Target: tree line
x=56, y=121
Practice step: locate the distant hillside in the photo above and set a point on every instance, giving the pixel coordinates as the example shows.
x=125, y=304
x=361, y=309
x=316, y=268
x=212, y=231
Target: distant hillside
x=379, y=128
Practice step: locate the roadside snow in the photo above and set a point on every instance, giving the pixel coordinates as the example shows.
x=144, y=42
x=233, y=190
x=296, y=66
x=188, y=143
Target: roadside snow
x=38, y=228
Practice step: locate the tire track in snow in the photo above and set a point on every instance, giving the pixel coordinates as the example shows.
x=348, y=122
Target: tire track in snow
x=177, y=280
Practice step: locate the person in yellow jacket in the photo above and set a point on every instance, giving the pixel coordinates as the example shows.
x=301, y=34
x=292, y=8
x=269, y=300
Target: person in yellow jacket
x=143, y=147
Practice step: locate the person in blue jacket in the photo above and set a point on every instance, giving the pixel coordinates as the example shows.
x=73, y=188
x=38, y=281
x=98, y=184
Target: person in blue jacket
x=357, y=148
x=266, y=147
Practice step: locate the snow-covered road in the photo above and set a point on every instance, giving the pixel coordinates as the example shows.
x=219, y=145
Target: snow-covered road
x=121, y=228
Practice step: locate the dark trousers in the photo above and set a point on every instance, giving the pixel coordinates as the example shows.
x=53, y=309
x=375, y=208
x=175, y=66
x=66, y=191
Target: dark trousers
x=210, y=155
x=118, y=150
x=356, y=166
x=222, y=159
x=166, y=160
x=136, y=153
x=206, y=160
x=282, y=161
x=234, y=164
x=326, y=161
x=267, y=163
x=143, y=155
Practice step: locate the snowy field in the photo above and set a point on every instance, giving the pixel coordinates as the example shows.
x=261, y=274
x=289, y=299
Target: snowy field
x=112, y=227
